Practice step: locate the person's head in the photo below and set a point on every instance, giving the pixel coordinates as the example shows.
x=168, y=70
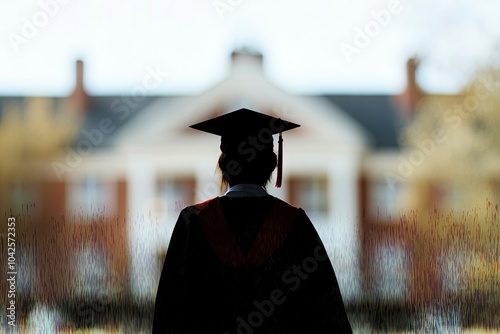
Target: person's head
x=236, y=169
x=247, y=146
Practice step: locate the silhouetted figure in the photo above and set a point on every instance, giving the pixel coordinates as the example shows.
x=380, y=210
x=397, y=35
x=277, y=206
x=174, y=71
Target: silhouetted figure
x=247, y=262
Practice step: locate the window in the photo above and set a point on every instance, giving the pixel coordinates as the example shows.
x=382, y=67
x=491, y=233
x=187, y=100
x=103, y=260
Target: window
x=454, y=264
x=25, y=198
x=448, y=196
x=90, y=196
x=90, y=271
x=28, y=270
x=383, y=199
x=390, y=272
x=311, y=194
x=174, y=194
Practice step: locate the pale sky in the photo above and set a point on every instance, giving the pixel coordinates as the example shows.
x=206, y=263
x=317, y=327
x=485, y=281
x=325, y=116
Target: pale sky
x=317, y=46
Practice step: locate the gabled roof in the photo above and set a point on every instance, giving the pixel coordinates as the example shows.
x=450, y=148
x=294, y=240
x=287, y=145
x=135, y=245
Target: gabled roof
x=120, y=110
x=165, y=120
x=378, y=114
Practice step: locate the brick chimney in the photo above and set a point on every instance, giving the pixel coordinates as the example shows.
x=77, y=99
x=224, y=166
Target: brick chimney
x=246, y=57
x=79, y=98
x=409, y=99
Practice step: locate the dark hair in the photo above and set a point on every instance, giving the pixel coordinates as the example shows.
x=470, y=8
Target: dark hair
x=236, y=169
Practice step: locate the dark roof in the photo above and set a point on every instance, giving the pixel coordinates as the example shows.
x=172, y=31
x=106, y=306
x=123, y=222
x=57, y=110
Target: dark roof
x=376, y=113
x=118, y=109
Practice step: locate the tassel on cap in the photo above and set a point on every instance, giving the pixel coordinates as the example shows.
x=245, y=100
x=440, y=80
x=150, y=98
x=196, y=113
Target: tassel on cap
x=280, y=161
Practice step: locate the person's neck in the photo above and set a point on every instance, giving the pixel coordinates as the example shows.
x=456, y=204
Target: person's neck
x=246, y=190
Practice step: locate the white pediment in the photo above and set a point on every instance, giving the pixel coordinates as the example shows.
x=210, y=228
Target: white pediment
x=165, y=122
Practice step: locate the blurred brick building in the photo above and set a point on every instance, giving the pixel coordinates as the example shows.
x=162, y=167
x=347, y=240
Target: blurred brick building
x=96, y=212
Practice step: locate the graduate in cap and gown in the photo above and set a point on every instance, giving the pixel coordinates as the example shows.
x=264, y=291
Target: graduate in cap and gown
x=247, y=262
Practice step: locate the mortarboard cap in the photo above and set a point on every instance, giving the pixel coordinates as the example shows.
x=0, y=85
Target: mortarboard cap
x=238, y=126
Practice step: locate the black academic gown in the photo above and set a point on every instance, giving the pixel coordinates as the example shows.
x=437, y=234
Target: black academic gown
x=247, y=265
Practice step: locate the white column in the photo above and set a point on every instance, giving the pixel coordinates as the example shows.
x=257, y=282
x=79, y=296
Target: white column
x=343, y=229
x=141, y=229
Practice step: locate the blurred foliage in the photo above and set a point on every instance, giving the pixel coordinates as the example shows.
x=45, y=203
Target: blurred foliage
x=34, y=130
x=458, y=137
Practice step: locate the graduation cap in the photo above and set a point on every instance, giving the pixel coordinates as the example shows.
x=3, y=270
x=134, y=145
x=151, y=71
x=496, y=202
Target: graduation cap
x=247, y=127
